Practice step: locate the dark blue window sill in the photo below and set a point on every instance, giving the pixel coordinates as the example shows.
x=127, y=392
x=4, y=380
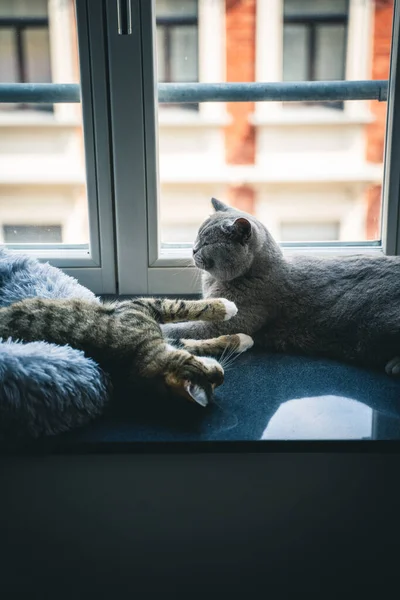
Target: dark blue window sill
x=264, y=398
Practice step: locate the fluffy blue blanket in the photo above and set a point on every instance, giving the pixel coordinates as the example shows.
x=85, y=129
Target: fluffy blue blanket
x=44, y=389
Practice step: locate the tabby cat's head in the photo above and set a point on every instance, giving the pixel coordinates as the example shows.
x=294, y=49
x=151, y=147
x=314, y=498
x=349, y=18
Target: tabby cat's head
x=228, y=241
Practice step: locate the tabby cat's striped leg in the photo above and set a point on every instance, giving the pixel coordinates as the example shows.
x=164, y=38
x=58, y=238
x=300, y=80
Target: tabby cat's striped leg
x=238, y=342
x=177, y=311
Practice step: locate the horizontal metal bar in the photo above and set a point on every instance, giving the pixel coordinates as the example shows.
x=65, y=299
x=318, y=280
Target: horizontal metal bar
x=49, y=93
x=319, y=91
x=170, y=93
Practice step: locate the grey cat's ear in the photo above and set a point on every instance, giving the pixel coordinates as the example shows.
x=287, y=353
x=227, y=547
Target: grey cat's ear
x=242, y=228
x=219, y=206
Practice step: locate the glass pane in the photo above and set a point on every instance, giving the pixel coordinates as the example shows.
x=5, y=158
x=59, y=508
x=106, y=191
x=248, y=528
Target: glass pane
x=314, y=7
x=37, y=53
x=309, y=232
x=285, y=163
x=24, y=8
x=295, y=53
x=161, y=54
x=8, y=56
x=43, y=195
x=176, y=8
x=14, y=234
x=330, y=52
x=184, y=59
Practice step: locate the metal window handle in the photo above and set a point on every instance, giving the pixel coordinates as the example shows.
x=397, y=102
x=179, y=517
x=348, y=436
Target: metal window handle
x=124, y=17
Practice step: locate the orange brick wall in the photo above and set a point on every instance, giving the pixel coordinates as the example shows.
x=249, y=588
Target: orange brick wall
x=382, y=34
x=240, y=67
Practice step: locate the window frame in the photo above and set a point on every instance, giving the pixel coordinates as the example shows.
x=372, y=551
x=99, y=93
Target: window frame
x=390, y=212
x=167, y=272
x=94, y=264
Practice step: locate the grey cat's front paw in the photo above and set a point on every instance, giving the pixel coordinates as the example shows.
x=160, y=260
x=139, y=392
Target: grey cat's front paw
x=393, y=366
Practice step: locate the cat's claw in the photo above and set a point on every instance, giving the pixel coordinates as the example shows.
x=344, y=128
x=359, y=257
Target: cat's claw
x=230, y=308
x=246, y=342
x=393, y=366
x=198, y=394
x=196, y=378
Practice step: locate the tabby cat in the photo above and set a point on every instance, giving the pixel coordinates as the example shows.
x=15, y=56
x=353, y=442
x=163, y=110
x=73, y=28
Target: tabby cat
x=345, y=308
x=125, y=338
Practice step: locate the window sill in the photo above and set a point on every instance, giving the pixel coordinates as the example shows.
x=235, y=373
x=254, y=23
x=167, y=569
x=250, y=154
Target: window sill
x=319, y=399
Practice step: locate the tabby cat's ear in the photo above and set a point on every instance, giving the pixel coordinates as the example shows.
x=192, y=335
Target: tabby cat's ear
x=219, y=206
x=242, y=228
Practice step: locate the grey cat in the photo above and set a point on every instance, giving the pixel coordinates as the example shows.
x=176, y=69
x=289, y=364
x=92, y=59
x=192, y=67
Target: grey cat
x=343, y=308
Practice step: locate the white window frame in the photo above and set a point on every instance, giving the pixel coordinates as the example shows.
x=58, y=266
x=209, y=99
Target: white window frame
x=142, y=267
x=93, y=266
x=135, y=134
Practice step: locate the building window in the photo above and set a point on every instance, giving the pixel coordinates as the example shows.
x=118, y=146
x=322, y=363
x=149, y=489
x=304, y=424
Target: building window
x=177, y=42
x=24, y=45
x=314, y=41
x=32, y=234
x=309, y=231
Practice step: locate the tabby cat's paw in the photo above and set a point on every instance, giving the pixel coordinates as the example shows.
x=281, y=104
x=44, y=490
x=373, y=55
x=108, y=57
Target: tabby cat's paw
x=230, y=308
x=214, y=373
x=195, y=378
x=246, y=342
x=393, y=366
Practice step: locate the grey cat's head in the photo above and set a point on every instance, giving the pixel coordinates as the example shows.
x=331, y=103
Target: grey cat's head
x=228, y=241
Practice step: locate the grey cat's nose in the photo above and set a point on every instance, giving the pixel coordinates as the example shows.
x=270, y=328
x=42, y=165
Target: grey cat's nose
x=195, y=250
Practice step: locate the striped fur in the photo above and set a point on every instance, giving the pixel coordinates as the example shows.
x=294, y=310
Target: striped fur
x=125, y=337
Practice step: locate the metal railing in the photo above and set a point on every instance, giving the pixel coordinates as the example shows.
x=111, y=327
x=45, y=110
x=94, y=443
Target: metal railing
x=170, y=93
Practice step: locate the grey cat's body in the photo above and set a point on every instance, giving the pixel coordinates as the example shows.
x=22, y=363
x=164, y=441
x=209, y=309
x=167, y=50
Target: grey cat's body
x=345, y=308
